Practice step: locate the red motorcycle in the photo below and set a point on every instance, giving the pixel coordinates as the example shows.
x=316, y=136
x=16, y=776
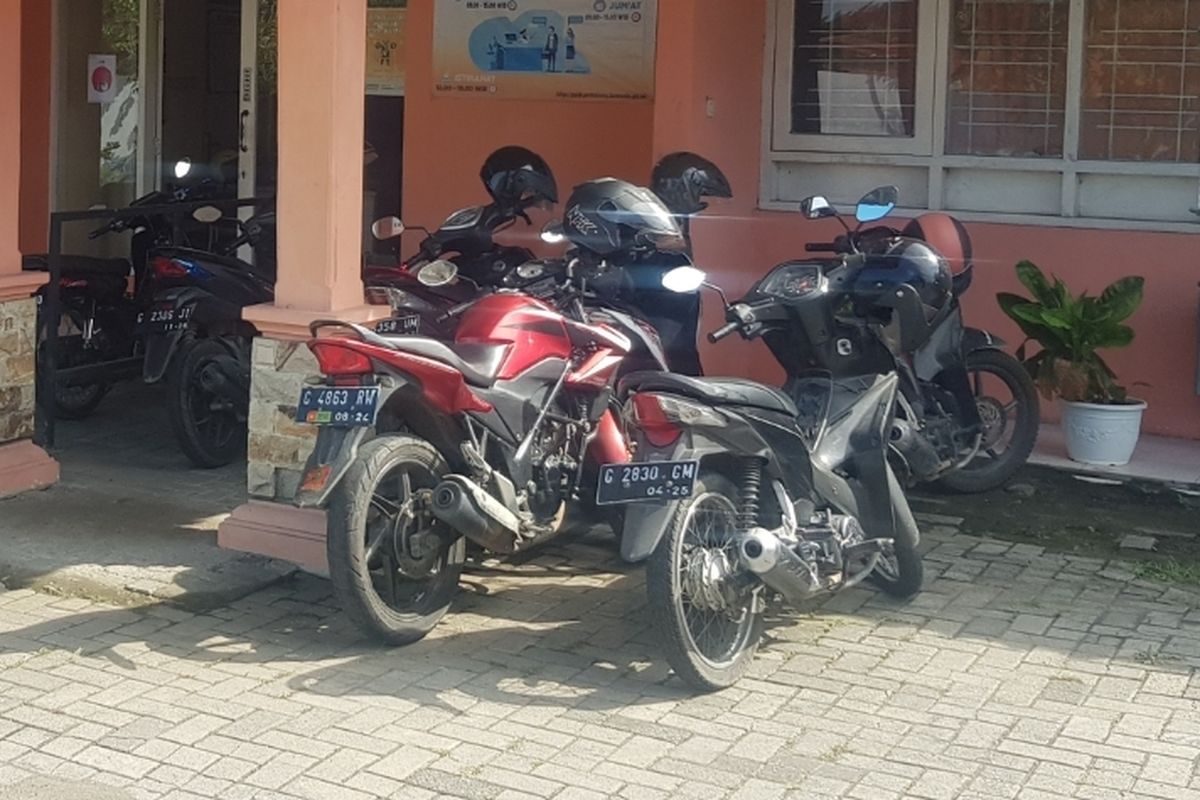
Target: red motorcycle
x=426, y=445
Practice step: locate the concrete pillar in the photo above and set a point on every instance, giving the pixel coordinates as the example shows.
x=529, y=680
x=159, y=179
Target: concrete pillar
x=319, y=207
x=23, y=465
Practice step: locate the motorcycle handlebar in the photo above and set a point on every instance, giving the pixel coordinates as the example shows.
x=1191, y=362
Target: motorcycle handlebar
x=723, y=331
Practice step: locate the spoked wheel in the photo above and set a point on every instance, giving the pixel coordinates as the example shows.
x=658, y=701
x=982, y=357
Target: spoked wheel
x=708, y=625
x=1008, y=406
x=206, y=422
x=394, y=568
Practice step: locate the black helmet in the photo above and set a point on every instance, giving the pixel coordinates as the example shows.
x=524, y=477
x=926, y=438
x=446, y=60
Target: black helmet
x=897, y=261
x=681, y=179
x=517, y=178
x=608, y=216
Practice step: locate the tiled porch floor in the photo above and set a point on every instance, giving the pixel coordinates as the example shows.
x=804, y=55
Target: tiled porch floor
x=1157, y=458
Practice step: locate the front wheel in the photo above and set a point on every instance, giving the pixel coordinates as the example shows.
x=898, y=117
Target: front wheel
x=1010, y=412
x=901, y=572
x=709, y=628
x=205, y=420
x=394, y=567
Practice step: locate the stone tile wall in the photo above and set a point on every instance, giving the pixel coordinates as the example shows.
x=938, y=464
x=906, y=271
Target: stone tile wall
x=278, y=446
x=18, y=326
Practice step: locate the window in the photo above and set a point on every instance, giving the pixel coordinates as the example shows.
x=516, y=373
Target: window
x=1032, y=109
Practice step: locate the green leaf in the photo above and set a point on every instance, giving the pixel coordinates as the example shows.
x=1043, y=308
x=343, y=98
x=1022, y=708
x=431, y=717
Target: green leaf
x=1034, y=280
x=1122, y=298
x=1112, y=335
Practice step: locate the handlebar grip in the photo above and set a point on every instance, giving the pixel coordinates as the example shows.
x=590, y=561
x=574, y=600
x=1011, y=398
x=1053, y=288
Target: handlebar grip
x=723, y=331
x=820, y=247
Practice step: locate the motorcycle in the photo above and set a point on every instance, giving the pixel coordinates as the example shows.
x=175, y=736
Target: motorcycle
x=426, y=446
x=99, y=307
x=968, y=411
x=196, y=339
x=738, y=492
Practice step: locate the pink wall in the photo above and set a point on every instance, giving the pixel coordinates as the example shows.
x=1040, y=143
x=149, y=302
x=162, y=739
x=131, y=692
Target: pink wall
x=718, y=55
x=446, y=139
x=10, y=136
x=35, y=124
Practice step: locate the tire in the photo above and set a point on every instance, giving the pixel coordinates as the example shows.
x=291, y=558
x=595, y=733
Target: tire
x=902, y=577
x=208, y=429
x=984, y=473
x=350, y=566
x=704, y=672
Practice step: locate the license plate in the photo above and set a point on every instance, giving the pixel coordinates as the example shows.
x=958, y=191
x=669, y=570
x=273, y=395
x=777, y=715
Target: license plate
x=353, y=407
x=650, y=480
x=399, y=326
x=164, y=319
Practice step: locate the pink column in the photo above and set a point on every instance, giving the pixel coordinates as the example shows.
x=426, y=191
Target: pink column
x=321, y=97
x=22, y=464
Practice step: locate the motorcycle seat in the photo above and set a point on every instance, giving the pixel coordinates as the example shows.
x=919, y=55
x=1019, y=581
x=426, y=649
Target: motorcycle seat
x=479, y=362
x=78, y=266
x=715, y=391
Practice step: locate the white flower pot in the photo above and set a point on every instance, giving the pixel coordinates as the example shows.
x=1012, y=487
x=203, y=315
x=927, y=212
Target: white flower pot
x=1102, y=434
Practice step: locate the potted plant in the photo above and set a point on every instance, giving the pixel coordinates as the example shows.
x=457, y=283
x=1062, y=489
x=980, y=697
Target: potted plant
x=1100, y=421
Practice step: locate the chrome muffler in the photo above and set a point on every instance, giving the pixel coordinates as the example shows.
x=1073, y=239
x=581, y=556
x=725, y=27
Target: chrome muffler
x=468, y=508
x=778, y=566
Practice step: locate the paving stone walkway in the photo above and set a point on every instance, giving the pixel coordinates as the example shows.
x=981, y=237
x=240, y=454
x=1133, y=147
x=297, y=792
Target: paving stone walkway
x=1014, y=675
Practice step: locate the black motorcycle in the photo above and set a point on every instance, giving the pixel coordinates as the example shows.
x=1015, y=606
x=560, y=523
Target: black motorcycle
x=737, y=492
x=196, y=339
x=968, y=412
x=101, y=298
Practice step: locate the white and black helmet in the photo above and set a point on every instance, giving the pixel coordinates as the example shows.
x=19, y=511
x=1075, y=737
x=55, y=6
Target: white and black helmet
x=609, y=217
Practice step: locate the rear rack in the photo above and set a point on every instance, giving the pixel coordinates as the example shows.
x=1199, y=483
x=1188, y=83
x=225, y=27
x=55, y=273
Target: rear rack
x=361, y=332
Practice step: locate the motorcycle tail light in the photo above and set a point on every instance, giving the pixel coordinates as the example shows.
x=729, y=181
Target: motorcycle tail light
x=335, y=359
x=651, y=419
x=168, y=268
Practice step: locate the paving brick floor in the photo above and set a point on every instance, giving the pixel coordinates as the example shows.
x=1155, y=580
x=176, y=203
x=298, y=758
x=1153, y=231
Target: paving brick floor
x=1014, y=674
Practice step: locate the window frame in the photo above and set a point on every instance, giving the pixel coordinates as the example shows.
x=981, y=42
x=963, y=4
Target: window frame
x=926, y=150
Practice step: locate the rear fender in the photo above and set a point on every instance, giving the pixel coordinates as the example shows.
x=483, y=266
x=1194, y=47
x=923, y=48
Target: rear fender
x=334, y=452
x=975, y=339
x=162, y=347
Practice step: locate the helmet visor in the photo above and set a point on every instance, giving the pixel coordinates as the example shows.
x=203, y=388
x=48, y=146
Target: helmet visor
x=650, y=220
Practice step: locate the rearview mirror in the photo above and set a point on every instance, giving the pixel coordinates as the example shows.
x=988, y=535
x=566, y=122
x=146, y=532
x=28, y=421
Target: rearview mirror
x=437, y=273
x=684, y=280
x=207, y=214
x=552, y=232
x=877, y=204
x=387, y=228
x=817, y=207
x=183, y=168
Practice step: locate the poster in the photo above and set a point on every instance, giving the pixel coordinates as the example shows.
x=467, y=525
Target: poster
x=385, y=51
x=102, y=78
x=545, y=49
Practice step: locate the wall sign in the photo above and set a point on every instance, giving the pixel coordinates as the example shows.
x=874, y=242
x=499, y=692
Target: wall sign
x=545, y=49
x=385, y=51
x=102, y=78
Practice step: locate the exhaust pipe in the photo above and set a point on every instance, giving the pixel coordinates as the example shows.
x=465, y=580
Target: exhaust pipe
x=778, y=566
x=467, y=508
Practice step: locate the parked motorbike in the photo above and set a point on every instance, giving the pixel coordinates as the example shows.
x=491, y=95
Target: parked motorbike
x=968, y=412
x=425, y=446
x=98, y=305
x=517, y=180
x=739, y=492
x=195, y=337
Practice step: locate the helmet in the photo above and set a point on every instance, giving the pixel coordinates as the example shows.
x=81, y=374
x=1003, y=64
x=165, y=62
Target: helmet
x=609, y=216
x=900, y=261
x=946, y=235
x=516, y=178
x=681, y=179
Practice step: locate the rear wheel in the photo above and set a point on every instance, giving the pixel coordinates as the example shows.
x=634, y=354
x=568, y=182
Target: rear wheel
x=76, y=402
x=206, y=422
x=1009, y=409
x=708, y=629
x=394, y=567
